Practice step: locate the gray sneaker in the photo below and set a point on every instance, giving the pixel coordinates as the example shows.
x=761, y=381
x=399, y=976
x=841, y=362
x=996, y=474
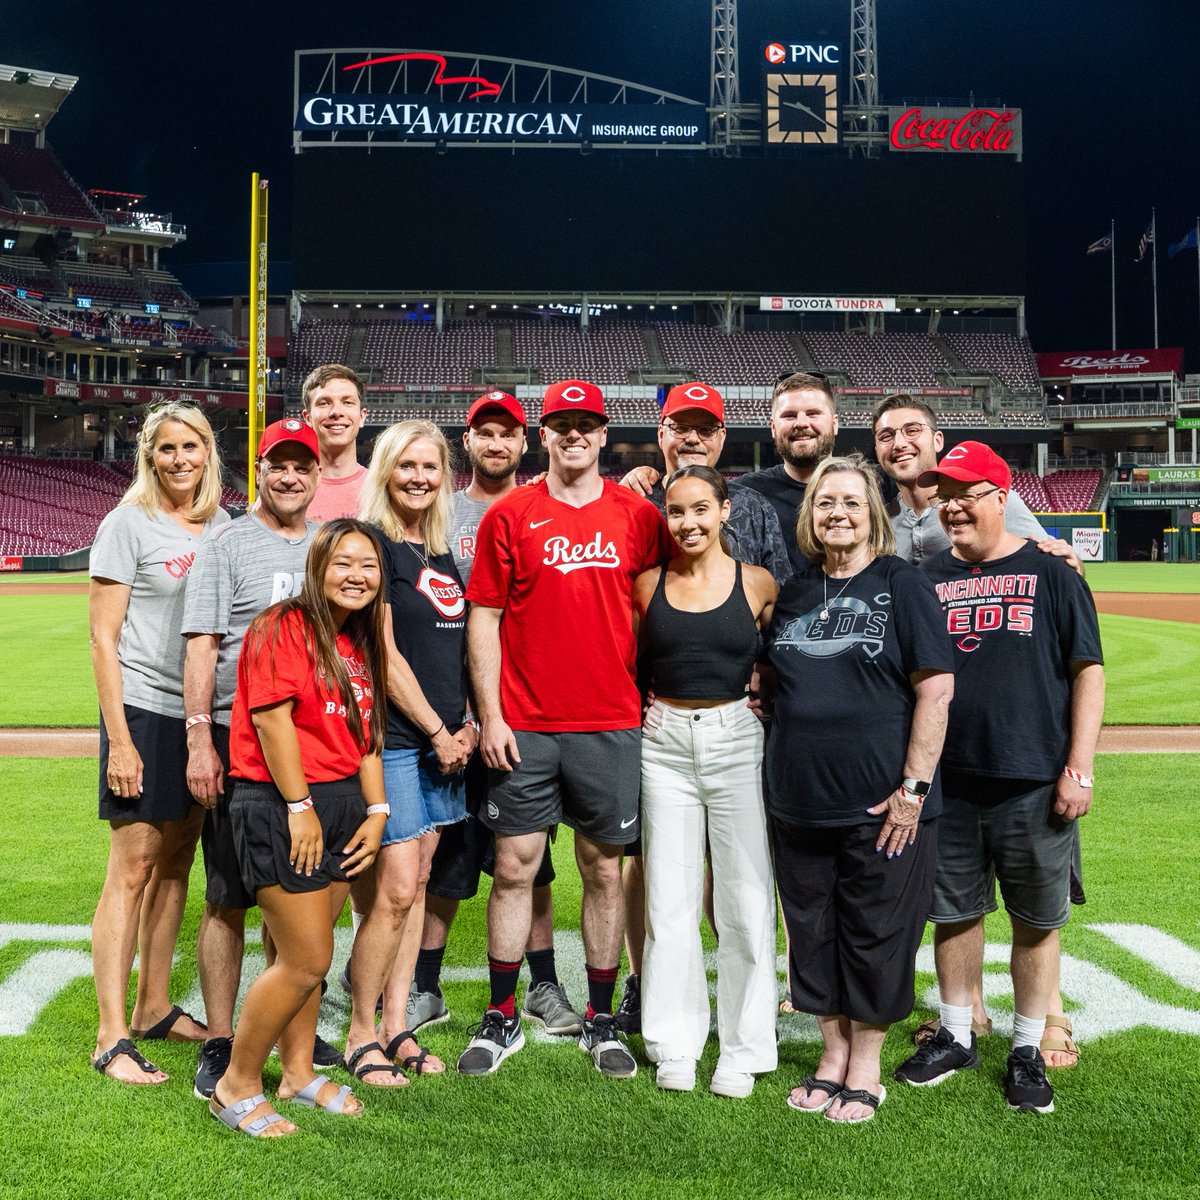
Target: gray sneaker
x=602, y=1041
x=425, y=1008
x=547, y=1004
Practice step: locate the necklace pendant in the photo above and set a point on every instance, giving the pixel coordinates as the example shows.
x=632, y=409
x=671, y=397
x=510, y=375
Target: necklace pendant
x=824, y=614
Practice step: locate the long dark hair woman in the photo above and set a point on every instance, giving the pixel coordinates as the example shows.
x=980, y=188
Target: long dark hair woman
x=307, y=808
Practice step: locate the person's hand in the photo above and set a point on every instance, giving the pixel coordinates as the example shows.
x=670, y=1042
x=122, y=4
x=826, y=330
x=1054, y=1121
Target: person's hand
x=1057, y=548
x=641, y=480
x=761, y=691
x=468, y=736
x=124, y=770
x=451, y=754
x=498, y=745
x=1071, y=801
x=649, y=700
x=307, y=842
x=205, y=775
x=363, y=846
x=536, y=479
x=900, y=823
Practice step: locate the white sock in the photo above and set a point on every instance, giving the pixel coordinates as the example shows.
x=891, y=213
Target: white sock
x=356, y=919
x=957, y=1019
x=1027, y=1031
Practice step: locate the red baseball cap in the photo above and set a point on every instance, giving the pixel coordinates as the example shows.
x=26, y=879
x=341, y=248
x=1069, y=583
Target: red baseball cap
x=573, y=395
x=694, y=395
x=290, y=429
x=969, y=462
x=497, y=401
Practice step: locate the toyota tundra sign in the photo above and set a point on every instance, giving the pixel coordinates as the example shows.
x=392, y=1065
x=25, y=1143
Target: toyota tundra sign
x=956, y=130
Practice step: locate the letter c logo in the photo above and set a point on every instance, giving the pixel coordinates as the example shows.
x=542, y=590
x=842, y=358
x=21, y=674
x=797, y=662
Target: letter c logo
x=696, y=392
x=574, y=394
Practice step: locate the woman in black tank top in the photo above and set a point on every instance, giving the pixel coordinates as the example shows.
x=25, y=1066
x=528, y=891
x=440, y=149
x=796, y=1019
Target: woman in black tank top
x=699, y=620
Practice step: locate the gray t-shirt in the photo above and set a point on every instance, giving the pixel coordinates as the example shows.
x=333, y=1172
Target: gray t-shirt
x=153, y=555
x=921, y=536
x=241, y=569
x=464, y=523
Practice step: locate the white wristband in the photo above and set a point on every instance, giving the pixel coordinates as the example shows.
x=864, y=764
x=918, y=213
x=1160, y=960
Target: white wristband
x=198, y=719
x=376, y=809
x=298, y=806
x=1084, y=781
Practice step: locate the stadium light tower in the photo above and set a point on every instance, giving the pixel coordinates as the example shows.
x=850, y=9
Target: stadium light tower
x=864, y=80
x=723, y=91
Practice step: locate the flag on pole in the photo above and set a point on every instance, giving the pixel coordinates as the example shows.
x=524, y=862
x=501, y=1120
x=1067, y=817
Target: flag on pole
x=1146, y=241
x=1103, y=246
x=1187, y=242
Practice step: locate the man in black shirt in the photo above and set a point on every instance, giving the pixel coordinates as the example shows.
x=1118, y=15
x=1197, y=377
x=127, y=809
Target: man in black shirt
x=804, y=425
x=1016, y=767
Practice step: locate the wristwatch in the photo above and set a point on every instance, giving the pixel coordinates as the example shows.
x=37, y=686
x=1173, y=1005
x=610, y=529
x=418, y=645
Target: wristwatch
x=914, y=790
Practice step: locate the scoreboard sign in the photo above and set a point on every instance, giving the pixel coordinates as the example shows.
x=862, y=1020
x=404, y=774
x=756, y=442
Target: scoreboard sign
x=956, y=130
x=802, y=104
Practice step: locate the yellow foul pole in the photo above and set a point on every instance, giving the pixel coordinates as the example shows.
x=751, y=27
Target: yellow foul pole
x=259, y=190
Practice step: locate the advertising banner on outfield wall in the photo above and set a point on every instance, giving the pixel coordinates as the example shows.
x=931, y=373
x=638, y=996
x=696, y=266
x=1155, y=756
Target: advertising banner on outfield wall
x=833, y=304
x=12, y=562
x=1165, y=474
x=1062, y=364
x=956, y=130
x=131, y=393
x=1088, y=544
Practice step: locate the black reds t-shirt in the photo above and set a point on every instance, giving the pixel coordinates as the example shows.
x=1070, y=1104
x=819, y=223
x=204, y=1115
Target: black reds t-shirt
x=1015, y=623
x=429, y=623
x=844, y=705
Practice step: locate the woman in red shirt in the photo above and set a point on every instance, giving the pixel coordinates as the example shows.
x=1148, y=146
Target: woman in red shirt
x=307, y=810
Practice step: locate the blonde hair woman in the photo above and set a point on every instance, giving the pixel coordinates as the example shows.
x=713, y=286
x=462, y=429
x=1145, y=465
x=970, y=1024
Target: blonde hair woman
x=407, y=496
x=139, y=565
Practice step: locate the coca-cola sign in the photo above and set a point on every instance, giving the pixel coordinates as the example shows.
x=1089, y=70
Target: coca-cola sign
x=956, y=130
x=1065, y=364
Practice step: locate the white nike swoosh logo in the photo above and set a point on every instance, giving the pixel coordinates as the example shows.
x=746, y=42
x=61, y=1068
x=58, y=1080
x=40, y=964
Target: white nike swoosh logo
x=626, y=824
x=539, y=524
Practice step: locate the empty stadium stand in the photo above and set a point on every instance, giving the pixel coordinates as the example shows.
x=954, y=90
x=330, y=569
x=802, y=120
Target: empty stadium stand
x=1006, y=356
x=42, y=186
x=558, y=349
x=414, y=353
x=722, y=359
x=891, y=361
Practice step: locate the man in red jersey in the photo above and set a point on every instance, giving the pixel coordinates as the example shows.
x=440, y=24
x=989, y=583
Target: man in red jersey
x=551, y=647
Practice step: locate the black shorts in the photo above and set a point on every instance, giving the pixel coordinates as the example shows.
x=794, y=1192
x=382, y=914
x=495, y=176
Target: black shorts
x=259, y=816
x=162, y=743
x=222, y=868
x=589, y=781
x=854, y=918
x=467, y=848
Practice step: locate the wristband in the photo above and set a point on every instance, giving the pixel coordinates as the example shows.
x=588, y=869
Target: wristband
x=438, y=730
x=469, y=719
x=912, y=798
x=1084, y=781
x=296, y=807
x=375, y=809
x=198, y=719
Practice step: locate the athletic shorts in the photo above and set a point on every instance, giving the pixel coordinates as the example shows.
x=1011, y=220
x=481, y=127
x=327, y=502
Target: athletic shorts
x=222, y=868
x=467, y=849
x=1002, y=830
x=589, y=781
x=854, y=917
x=420, y=796
x=259, y=816
x=162, y=743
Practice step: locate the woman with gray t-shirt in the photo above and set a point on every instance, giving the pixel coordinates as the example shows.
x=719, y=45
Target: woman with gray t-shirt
x=139, y=565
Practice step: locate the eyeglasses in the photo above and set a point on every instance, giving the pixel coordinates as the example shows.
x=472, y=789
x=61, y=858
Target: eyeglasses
x=966, y=500
x=800, y=371
x=704, y=432
x=850, y=507
x=911, y=431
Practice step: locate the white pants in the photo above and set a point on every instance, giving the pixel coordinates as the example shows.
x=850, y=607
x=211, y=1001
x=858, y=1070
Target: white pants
x=702, y=774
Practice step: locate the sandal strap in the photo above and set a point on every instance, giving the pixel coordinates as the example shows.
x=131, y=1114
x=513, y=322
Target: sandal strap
x=812, y=1084
x=307, y=1095
x=361, y=1072
x=398, y=1041
x=860, y=1096
x=232, y=1114
x=124, y=1046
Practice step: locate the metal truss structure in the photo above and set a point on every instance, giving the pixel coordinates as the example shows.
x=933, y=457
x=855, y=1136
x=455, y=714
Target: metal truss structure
x=863, y=131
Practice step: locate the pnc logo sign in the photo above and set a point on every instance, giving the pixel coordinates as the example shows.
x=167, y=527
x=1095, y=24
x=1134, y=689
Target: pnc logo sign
x=823, y=54
x=776, y=54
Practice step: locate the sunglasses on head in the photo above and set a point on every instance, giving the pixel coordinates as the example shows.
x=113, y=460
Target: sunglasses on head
x=801, y=371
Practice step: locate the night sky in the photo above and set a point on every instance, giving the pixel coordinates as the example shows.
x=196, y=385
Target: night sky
x=182, y=102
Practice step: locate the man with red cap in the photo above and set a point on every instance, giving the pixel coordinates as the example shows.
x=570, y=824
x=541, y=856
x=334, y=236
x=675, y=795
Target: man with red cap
x=495, y=443
x=552, y=653
x=1016, y=767
x=253, y=562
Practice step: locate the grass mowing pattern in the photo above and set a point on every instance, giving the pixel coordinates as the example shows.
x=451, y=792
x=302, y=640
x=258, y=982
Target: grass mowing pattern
x=1151, y=578
x=1151, y=668
x=549, y=1126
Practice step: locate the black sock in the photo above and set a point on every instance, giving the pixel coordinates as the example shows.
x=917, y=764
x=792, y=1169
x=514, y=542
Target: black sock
x=503, y=980
x=601, y=983
x=541, y=966
x=428, y=974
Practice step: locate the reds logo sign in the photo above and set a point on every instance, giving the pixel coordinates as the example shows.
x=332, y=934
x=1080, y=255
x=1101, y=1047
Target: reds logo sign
x=573, y=394
x=444, y=593
x=440, y=78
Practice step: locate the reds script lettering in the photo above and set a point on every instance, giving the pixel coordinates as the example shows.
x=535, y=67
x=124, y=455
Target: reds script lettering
x=566, y=557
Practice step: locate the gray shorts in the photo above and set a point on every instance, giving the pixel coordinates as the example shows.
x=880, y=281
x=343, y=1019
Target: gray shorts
x=1005, y=830
x=589, y=781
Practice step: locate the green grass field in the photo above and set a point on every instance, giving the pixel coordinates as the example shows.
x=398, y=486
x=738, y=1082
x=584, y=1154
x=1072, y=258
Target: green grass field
x=548, y=1125
x=1152, y=665
x=1146, y=577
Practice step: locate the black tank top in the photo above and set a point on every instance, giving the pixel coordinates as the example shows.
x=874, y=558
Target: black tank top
x=701, y=655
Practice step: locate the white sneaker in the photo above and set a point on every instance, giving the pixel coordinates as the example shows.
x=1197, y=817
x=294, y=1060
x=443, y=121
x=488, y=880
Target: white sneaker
x=676, y=1074
x=735, y=1084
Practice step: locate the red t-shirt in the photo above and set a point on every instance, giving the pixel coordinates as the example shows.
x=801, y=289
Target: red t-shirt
x=337, y=497
x=270, y=671
x=564, y=577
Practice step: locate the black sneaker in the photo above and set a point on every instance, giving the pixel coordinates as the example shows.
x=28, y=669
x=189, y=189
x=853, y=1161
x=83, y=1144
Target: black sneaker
x=1026, y=1086
x=602, y=1041
x=214, y=1061
x=492, y=1041
x=324, y=1055
x=938, y=1059
x=629, y=1013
